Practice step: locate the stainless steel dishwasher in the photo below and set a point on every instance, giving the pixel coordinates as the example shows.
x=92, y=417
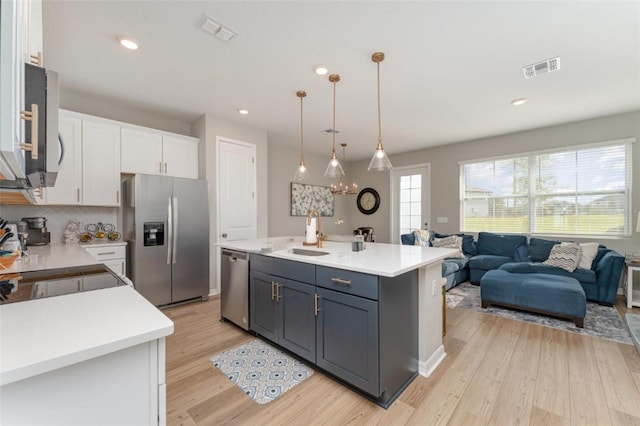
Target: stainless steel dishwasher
x=234, y=290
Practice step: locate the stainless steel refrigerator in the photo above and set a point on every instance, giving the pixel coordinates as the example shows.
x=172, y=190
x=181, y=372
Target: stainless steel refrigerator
x=166, y=224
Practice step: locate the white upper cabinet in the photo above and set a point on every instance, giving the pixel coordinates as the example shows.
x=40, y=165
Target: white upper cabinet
x=180, y=156
x=140, y=152
x=100, y=163
x=68, y=187
x=155, y=153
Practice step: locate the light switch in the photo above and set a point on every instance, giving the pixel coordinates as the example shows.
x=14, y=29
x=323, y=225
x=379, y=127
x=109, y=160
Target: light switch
x=442, y=219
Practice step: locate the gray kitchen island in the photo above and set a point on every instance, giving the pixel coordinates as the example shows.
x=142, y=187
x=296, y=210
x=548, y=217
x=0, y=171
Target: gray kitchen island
x=371, y=319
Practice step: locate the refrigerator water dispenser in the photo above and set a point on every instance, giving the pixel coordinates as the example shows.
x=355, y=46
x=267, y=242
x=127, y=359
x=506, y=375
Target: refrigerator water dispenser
x=153, y=234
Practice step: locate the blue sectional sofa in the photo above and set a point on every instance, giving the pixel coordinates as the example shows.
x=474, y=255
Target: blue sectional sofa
x=513, y=253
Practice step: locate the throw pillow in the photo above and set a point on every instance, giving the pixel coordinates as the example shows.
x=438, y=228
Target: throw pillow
x=452, y=242
x=565, y=256
x=422, y=237
x=589, y=252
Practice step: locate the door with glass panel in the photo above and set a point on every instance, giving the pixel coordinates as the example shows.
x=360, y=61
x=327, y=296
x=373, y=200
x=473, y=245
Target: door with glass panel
x=410, y=200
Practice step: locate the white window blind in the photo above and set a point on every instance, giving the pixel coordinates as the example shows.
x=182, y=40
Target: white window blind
x=580, y=191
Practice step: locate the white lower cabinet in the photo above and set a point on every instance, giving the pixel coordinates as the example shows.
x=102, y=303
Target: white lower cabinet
x=125, y=387
x=113, y=255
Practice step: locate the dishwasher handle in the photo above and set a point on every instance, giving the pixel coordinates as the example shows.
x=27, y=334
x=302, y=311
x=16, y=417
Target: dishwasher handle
x=234, y=255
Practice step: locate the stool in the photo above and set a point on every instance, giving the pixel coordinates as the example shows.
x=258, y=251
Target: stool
x=541, y=293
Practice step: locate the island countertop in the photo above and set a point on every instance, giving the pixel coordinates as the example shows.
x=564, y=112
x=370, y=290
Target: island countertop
x=387, y=260
x=52, y=256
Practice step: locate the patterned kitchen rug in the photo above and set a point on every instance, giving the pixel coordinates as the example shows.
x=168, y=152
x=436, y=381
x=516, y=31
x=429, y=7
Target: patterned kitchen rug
x=260, y=370
x=600, y=321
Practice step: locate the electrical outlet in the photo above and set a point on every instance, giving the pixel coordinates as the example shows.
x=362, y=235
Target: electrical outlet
x=434, y=284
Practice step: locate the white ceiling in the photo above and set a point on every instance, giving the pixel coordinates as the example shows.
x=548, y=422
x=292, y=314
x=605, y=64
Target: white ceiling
x=450, y=72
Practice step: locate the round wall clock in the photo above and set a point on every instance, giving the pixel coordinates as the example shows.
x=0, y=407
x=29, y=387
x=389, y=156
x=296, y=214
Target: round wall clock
x=368, y=201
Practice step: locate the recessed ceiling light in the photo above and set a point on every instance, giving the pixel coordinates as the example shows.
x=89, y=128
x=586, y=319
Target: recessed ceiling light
x=127, y=42
x=320, y=69
x=518, y=102
x=243, y=111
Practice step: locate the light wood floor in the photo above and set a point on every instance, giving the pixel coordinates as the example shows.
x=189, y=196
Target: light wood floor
x=497, y=372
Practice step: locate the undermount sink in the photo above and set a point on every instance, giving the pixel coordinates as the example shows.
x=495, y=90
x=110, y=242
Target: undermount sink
x=305, y=252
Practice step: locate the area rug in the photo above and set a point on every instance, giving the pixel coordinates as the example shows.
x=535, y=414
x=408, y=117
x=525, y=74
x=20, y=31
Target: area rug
x=260, y=370
x=633, y=321
x=600, y=321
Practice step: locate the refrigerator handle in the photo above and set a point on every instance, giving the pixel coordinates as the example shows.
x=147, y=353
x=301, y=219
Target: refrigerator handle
x=175, y=230
x=169, y=231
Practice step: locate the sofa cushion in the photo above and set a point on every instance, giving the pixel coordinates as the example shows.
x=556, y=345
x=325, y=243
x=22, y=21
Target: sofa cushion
x=540, y=248
x=565, y=256
x=499, y=245
x=585, y=276
x=468, y=242
x=488, y=262
x=407, y=239
x=451, y=266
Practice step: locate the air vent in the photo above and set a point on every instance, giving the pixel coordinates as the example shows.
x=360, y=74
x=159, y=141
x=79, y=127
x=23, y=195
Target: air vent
x=210, y=26
x=534, y=70
x=330, y=131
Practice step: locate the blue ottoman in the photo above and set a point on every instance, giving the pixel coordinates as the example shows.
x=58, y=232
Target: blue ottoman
x=540, y=293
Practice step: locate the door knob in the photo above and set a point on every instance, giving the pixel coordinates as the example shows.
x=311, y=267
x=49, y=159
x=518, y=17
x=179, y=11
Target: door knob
x=224, y=235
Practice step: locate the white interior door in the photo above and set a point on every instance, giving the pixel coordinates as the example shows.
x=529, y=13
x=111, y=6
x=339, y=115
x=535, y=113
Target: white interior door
x=410, y=195
x=237, y=207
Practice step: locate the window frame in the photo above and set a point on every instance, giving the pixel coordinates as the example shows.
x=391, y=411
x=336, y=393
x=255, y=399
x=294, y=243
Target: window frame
x=532, y=195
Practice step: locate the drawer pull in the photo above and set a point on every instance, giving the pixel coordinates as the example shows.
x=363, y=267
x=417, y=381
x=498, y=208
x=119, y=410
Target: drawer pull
x=273, y=290
x=106, y=253
x=341, y=281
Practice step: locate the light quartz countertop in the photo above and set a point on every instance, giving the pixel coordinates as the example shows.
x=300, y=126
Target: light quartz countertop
x=52, y=256
x=387, y=260
x=43, y=335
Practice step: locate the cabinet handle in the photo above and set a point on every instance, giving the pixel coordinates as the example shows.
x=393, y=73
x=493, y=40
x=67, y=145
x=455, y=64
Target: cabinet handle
x=165, y=168
x=273, y=290
x=106, y=253
x=31, y=116
x=78, y=194
x=341, y=281
x=278, y=296
x=118, y=196
x=36, y=59
x=315, y=304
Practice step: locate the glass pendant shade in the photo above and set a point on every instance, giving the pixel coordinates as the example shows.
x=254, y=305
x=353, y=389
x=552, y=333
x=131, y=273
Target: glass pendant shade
x=334, y=168
x=379, y=162
x=302, y=173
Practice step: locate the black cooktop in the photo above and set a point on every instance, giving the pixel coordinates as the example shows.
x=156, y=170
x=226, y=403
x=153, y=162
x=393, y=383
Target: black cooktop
x=32, y=285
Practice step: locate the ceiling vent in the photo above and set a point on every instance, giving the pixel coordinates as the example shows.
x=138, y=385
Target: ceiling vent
x=534, y=70
x=210, y=26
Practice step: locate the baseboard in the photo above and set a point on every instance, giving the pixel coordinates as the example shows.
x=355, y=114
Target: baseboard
x=425, y=368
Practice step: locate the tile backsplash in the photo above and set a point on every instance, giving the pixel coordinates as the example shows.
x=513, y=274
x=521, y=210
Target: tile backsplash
x=58, y=216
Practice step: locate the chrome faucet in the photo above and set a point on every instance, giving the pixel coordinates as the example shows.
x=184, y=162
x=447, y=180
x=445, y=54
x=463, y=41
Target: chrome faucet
x=318, y=225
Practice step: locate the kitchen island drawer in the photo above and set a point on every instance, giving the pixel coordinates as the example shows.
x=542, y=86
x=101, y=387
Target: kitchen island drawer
x=349, y=282
x=258, y=262
x=108, y=253
x=304, y=272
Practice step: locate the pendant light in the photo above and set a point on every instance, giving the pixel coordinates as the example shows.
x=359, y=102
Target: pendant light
x=301, y=172
x=334, y=169
x=380, y=161
x=341, y=189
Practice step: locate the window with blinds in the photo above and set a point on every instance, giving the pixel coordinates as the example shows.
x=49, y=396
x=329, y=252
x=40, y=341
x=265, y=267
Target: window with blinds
x=579, y=191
